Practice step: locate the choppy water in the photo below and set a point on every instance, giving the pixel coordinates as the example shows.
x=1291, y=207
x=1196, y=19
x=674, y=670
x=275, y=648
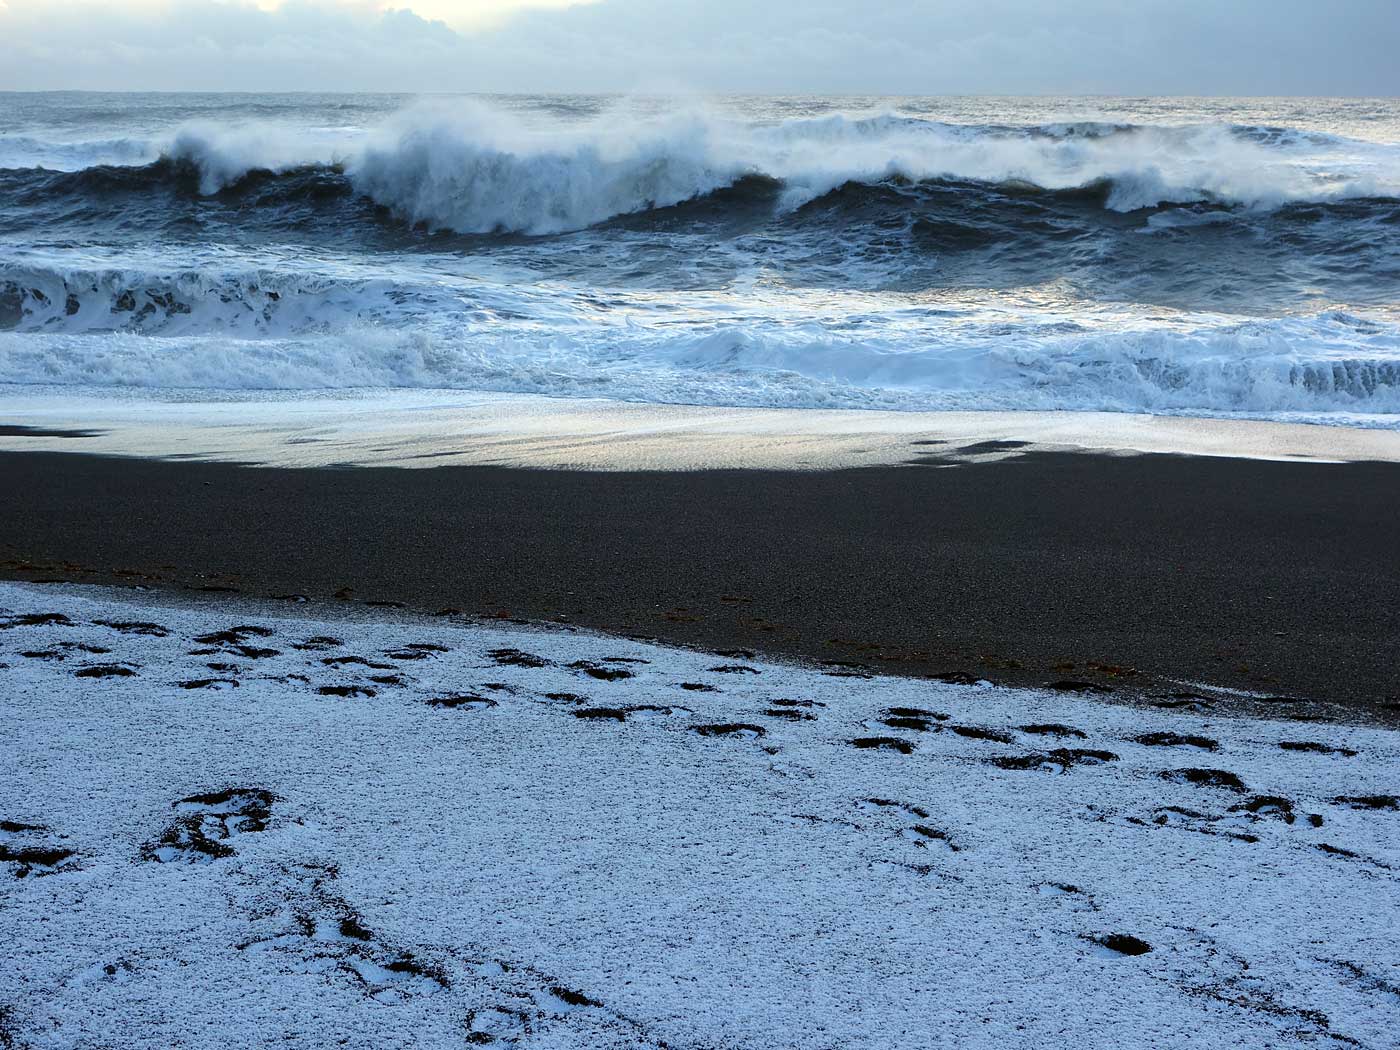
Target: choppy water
x=1200, y=256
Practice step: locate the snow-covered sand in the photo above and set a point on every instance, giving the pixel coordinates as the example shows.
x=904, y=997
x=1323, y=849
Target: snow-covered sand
x=234, y=827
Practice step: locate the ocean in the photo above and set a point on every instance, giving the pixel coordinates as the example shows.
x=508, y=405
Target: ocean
x=1210, y=257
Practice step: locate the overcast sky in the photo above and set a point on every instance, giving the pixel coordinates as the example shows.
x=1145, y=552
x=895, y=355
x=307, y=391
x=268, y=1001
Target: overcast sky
x=1132, y=47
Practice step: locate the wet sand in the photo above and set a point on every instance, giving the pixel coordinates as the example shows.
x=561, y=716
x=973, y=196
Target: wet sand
x=1134, y=573
x=434, y=428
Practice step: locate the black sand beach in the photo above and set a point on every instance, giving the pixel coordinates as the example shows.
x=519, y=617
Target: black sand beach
x=1133, y=573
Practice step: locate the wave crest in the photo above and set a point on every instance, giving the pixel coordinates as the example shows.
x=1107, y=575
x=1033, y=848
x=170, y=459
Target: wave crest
x=472, y=169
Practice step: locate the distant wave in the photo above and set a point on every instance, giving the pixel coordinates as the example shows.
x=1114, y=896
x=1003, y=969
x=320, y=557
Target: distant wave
x=475, y=170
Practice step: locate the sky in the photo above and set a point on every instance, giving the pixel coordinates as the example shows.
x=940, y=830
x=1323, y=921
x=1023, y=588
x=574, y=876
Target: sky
x=1115, y=47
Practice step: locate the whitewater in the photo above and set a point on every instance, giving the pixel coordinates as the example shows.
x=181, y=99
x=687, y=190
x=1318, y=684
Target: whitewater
x=1196, y=257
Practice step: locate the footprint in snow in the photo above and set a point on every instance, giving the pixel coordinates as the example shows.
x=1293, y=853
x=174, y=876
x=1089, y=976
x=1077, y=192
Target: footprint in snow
x=1060, y=760
x=29, y=850
x=105, y=671
x=735, y=729
x=1055, y=729
x=1211, y=778
x=1205, y=743
x=205, y=825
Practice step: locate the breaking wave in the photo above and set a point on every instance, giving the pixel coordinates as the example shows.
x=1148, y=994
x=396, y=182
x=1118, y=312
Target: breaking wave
x=476, y=170
x=279, y=330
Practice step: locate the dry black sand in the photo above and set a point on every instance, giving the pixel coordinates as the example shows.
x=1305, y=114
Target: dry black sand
x=1282, y=578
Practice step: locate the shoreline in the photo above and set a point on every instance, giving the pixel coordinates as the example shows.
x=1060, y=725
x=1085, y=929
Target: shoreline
x=433, y=428
x=1131, y=573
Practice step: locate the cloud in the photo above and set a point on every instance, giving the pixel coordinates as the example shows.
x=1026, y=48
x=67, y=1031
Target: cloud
x=796, y=46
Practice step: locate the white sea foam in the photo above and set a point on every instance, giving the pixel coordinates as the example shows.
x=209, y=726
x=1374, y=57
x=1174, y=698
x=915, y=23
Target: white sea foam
x=282, y=330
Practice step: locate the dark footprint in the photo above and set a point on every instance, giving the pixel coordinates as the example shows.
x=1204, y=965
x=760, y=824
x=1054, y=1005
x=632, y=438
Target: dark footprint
x=998, y=736
x=346, y=690
x=1122, y=944
x=566, y=698
x=389, y=679
x=1379, y=802
x=789, y=702
x=234, y=635
x=1213, y=778
x=207, y=823
x=35, y=620
x=466, y=702
x=356, y=661
x=621, y=714
x=517, y=658
x=25, y=850
x=319, y=642
x=105, y=671
x=734, y=669
x=33, y=860
x=154, y=630
x=83, y=647
x=922, y=835
x=209, y=683
x=742, y=729
x=883, y=743
x=789, y=713
x=598, y=671
x=62, y=651
x=1205, y=743
x=1054, y=729
x=698, y=687
x=572, y=998
x=405, y=654
x=1068, y=686
x=1316, y=748
x=1060, y=760
x=919, y=725
x=1274, y=806
x=616, y=714
x=915, y=712
x=252, y=652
